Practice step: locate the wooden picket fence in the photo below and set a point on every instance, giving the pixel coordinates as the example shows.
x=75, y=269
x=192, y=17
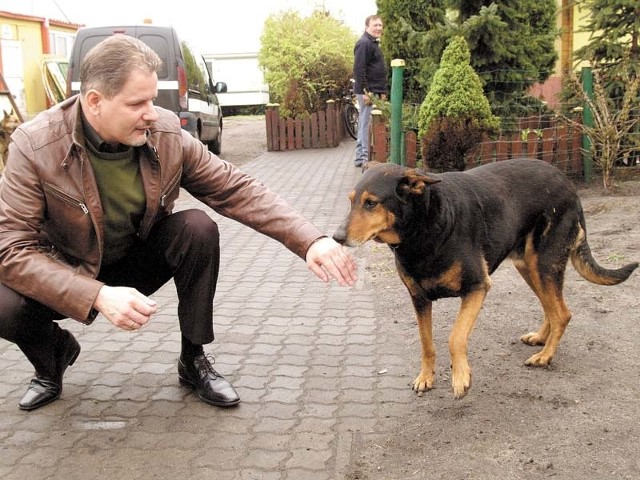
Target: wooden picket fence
x=318, y=130
x=558, y=144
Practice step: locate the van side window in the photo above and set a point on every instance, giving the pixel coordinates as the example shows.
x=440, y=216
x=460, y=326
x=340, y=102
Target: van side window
x=195, y=75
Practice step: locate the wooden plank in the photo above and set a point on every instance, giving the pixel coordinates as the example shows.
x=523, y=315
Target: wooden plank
x=548, y=146
x=322, y=129
x=275, y=127
x=268, y=115
x=517, y=146
x=282, y=137
x=562, y=149
x=298, y=133
x=502, y=149
x=269, y=122
x=306, y=128
x=379, y=151
x=532, y=145
x=314, y=130
x=411, y=148
x=291, y=145
x=331, y=128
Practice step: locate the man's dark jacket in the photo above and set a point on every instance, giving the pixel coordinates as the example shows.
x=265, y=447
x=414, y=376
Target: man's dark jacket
x=369, y=70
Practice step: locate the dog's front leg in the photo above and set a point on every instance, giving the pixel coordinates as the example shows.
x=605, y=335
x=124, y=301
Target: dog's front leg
x=424, y=381
x=459, y=339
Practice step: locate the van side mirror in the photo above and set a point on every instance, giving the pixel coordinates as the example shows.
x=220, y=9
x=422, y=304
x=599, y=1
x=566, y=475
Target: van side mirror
x=221, y=87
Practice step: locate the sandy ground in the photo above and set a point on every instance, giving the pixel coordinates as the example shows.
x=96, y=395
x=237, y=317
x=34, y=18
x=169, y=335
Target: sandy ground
x=576, y=420
x=243, y=138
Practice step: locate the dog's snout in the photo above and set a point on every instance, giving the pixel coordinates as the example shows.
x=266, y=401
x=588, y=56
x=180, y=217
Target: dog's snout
x=340, y=235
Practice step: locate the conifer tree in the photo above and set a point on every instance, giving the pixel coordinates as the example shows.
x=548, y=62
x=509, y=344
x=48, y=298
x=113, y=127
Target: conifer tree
x=614, y=27
x=455, y=114
x=412, y=32
x=512, y=45
x=511, y=42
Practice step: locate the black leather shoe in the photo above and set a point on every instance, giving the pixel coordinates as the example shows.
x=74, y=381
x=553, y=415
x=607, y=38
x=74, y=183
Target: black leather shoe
x=44, y=389
x=210, y=386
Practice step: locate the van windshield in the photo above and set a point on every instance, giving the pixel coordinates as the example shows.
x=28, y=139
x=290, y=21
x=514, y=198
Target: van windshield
x=157, y=43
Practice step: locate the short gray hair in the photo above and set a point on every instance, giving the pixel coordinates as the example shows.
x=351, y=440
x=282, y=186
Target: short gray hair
x=107, y=66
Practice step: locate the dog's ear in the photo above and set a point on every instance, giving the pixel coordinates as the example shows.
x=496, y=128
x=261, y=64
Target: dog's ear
x=413, y=183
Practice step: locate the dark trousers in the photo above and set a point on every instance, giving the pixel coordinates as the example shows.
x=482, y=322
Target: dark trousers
x=184, y=245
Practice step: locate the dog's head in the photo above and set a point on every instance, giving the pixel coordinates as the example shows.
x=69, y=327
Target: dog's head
x=384, y=193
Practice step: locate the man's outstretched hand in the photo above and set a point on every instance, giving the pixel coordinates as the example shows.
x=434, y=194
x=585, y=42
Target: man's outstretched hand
x=326, y=257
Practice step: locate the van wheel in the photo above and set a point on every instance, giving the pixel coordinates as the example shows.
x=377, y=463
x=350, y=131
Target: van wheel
x=215, y=145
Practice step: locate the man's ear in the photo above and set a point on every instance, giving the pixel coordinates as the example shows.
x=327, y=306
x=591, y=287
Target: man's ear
x=413, y=183
x=92, y=101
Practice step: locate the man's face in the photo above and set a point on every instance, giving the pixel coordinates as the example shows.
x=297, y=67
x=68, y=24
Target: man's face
x=126, y=117
x=375, y=28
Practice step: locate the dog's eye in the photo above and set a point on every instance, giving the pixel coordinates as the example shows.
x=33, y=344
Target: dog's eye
x=370, y=204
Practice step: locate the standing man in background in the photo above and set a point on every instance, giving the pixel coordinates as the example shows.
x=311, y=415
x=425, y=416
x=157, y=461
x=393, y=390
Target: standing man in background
x=370, y=74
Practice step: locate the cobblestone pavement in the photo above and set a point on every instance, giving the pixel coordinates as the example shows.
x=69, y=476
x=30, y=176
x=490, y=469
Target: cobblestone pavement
x=306, y=358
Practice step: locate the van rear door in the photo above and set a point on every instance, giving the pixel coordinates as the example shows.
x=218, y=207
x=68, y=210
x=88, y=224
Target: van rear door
x=161, y=40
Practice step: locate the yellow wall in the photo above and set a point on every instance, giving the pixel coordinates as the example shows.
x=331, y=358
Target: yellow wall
x=571, y=20
x=28, y=33
x=31, y=39
x=580, y=18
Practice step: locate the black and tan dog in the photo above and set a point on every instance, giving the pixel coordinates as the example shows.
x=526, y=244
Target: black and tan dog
x=450, y=231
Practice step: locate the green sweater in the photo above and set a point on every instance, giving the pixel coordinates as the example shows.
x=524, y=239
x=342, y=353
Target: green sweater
x=122, y=196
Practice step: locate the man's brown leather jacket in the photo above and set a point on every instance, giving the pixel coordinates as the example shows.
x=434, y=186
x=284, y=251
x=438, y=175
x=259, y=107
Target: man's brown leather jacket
x=51, y=225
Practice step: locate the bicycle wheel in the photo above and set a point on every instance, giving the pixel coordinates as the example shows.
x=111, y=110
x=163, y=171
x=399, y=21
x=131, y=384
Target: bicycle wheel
x=351, y=115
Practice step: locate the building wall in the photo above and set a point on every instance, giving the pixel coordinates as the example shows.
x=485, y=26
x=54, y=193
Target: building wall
x=24, y=40
x=570, y=21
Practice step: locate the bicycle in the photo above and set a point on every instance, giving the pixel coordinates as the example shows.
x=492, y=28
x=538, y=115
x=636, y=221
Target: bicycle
x=350, y=112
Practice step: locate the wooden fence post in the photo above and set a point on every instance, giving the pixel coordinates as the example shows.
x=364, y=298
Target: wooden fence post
x=273, y=124
x=267, y=118
x=411, y=146
x=378, y=141
x=331, y=125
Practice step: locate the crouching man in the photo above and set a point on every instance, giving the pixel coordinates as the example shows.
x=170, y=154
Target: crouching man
x=87, y=227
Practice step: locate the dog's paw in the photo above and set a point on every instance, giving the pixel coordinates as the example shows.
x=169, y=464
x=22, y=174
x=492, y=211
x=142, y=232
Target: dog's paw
x=461, y=381
x=538, y=360
x=533, y=339
x=422, y=383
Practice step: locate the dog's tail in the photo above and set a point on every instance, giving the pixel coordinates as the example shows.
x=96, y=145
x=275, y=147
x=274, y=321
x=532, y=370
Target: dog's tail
x=586, y=265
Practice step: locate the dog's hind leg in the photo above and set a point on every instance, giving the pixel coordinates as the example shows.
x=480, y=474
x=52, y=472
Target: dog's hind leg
x=557, y=317
x=544, y=273
x=539, y=337
x=459, y=339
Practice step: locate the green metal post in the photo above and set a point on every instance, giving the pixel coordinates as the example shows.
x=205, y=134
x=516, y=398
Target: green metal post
x=397, y=69
x=587, y=121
